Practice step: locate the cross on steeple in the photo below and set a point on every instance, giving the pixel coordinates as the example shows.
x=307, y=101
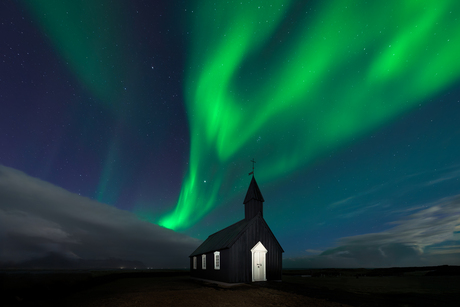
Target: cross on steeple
x=252, y=166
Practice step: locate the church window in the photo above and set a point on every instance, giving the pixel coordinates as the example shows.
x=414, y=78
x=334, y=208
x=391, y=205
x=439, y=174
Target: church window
x=194, y=262
x=203, y=262
x=216, y=260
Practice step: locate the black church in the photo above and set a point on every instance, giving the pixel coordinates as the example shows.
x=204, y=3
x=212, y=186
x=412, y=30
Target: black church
x=246, y=251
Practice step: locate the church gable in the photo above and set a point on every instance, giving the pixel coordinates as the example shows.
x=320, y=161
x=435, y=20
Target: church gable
x=259, y=226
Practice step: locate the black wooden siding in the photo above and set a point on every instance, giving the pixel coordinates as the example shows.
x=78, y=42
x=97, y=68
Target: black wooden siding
x=252, y=208
x=222, y=239
x=210, y=272
x=241, y=254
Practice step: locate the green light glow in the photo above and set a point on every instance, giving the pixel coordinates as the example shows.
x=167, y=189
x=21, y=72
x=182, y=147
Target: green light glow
x=89, y=35
x=103, y=193
x=259, y=87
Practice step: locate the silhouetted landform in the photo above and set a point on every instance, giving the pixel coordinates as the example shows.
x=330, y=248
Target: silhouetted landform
x=443, y=270
x=414, y=286
x=57, y=261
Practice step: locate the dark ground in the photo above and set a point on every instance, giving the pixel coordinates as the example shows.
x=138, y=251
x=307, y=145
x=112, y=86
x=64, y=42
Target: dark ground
x=429, y=286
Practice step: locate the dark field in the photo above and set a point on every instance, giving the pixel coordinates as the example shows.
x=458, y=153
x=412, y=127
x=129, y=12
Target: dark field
x=434, y=286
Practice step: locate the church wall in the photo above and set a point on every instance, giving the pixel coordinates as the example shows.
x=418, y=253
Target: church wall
x=274, y=253
x=240, y=252
x=210, y=272
x=241, y=263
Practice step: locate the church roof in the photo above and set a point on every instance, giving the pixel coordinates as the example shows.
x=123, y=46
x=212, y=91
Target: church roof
x=226, y=237
x=221, y=239
x=253, y=192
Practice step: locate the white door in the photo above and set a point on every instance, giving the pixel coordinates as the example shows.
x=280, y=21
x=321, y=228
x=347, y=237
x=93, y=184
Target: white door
x=259, y=266
x=258, y=262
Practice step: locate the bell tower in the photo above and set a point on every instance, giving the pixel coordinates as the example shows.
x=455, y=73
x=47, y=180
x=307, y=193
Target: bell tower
x=254, y=201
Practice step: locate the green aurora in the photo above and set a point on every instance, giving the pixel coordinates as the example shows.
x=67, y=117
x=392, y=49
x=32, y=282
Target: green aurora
x=91, y=37
x=285, y=82
x=86, y=37
x=289, y=83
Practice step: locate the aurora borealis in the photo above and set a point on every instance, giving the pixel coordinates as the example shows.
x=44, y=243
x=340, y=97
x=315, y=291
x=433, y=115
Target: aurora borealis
x=297, y=76
x=349, y=109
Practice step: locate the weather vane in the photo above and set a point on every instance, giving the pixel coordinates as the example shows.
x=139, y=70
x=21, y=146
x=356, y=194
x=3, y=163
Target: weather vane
x=252, y=173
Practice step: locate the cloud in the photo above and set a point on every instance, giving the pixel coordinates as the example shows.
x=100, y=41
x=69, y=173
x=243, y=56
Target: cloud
x=408, y=185
x=448, y=173
x=353, y=199
x=38, y=218
x=426, y=237
x=313, y=251
x=342, y=202
x=426, y=227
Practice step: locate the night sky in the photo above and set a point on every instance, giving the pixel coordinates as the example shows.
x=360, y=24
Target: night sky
x=127, y=128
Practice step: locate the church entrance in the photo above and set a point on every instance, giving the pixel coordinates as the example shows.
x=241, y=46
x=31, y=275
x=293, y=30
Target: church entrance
x=258, y=262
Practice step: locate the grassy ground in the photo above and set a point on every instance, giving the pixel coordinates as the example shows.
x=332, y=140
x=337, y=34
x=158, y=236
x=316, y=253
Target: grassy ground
x=175, y=288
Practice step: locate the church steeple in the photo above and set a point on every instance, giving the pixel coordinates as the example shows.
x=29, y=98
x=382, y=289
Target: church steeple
x=253, y=202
